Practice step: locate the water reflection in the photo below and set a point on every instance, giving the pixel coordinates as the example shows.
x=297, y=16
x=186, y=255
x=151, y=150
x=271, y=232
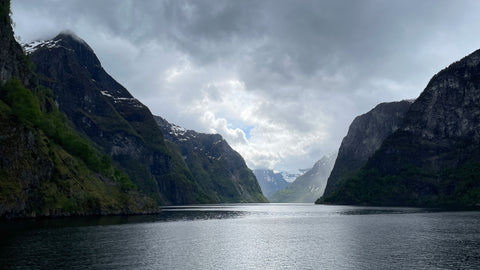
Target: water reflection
x=266, y=236
x=190, y=215
x=208, y=212
x=355, y=210
x=168, y=214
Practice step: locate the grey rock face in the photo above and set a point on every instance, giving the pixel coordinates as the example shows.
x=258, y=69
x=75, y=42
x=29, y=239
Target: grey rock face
x=443, y=124
x=365, y=136
x=448, y=107
x=121, y=126
x=105, y=112
x=433, y=158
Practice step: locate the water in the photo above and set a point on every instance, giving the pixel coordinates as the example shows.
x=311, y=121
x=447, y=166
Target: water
x=266, y=236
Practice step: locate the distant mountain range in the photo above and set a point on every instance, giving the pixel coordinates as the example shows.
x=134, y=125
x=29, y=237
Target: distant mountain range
x=270, y=181
x=308, y=186
x=292, y=174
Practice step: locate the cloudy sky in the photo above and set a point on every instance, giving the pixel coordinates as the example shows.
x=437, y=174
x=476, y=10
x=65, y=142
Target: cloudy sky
x=281, y=80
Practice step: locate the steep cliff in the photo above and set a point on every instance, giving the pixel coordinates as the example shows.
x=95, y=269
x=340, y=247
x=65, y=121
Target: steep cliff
x=107, y=114
x=44, y=174
x=309, y=186
x=45, y=168
x=365, y=135
x=219, y=170
x=433, y=159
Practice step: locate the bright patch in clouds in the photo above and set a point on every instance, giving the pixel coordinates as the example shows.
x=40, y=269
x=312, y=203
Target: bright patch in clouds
x=281, y=80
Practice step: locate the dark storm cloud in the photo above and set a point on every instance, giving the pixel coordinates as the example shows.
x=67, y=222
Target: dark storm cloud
x=300, y=68
x=280, y=38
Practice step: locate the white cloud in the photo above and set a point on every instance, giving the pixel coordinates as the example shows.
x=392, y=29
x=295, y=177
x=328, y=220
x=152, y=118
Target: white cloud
x=280, y=80
x=235, y=136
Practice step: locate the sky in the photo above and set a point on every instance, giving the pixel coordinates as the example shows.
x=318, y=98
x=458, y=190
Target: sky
x=280, y=80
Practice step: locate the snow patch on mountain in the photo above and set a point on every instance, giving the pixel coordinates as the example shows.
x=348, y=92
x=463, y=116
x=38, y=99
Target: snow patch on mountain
x=292, y=174
x=134, y=102
x=35, y=45
x=177, y=130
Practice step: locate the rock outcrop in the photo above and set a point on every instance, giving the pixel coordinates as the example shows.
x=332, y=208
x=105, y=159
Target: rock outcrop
x=365, y=135
x=433, y=159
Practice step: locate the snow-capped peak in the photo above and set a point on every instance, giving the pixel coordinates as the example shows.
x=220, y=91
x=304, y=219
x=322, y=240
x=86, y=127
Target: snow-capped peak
x=67, y=35
x=291, y=175
x=35, y=45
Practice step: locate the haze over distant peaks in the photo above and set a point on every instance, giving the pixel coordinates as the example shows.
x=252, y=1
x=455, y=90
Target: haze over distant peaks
x=270, y=181
x=308, y=186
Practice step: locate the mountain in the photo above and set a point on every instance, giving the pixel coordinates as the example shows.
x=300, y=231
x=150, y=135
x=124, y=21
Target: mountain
x=103, y=111
x=269, y=181
x=219, y=170
x=309, y=186
x=291, y=174
x=46, y=169
x=365, y=135
x=433, y=159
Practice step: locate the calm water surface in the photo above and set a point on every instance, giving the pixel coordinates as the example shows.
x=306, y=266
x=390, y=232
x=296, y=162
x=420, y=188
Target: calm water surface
x=240, y=236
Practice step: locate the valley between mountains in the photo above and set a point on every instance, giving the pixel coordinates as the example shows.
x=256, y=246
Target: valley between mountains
x=73, y=141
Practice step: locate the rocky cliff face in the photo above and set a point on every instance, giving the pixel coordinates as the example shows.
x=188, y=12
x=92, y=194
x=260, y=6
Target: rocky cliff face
x=365, y=135
x=40, y=173
x=433, y=158
x=40, y=178
x=219, y=170
x=24, y=166
x=270, y=182
x=106, y=113
x=309, y=186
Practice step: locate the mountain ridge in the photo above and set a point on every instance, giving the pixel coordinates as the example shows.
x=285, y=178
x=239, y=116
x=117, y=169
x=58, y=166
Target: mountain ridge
x=105, y=112
x=432, y=159
x=46, y=169
x=365, y=135
x=270, y=181
x=219, y=170
x=308, y=186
